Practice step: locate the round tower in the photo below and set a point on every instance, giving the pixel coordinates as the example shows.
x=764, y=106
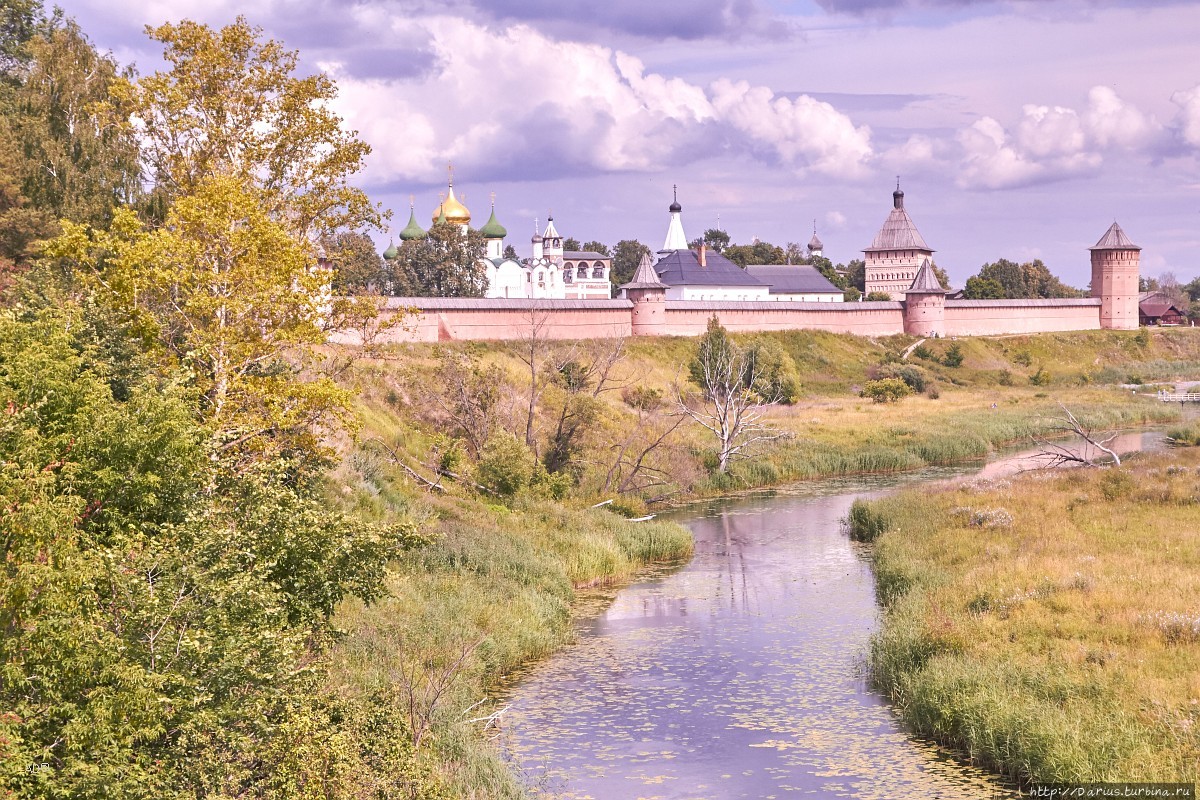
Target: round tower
x=648, y=294
x=925, y=304
x=1115, y=273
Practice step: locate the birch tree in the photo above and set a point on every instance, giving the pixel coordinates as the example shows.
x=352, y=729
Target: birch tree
x=734, y=396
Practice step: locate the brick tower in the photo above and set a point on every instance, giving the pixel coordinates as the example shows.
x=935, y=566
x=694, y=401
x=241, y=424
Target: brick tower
x=1115, y=262
x=925, y=304
x=649, y=296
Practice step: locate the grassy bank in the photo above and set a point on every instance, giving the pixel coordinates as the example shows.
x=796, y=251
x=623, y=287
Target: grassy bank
x=493, y=587
x=1047, y=626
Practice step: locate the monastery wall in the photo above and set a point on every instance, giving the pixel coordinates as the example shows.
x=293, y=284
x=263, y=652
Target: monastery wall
x=690, y=318
x=989, y=317
x=439, y=319
x=453, y=319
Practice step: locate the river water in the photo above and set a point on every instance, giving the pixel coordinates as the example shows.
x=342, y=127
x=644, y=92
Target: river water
x=740, y=674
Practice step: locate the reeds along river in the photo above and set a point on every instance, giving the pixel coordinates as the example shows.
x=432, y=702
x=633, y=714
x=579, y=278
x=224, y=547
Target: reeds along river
x=740, y=674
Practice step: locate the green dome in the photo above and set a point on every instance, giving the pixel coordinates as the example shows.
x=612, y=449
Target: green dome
x=391, y=251
x=493, y=229
x=412, y=230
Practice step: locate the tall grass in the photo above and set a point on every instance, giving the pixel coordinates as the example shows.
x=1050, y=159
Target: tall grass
x=1045, y=641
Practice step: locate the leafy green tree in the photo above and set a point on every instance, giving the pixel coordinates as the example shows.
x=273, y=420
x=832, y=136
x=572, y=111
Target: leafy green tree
x=446, y=263
x=511, y=252
x=758, y=253
x=875, y=297
x=80, y=158
x=856, y=274
x=826, y=268
x=942, y=276
x=771, y=372
x=20, y=21
x=851, y=295
x=230, y=105
x=954, y=355
x=160, y=619
x=626, y=257
x=357, y=265
x=716, y=239
x=571, y=244
x=1029, y=280
x=597, y=247
x=978, y=288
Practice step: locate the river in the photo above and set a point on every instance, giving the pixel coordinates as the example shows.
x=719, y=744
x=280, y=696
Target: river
x=740, y=674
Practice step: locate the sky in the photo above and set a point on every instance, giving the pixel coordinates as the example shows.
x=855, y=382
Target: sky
x=1018, y=129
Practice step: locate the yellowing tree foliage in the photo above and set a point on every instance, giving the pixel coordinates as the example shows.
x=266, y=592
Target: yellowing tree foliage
x=230, y=293
x=231, y=106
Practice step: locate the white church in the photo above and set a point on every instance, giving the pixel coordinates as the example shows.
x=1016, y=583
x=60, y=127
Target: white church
x=550, y=272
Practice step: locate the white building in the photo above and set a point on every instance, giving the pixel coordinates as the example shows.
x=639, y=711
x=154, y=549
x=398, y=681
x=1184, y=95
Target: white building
x=704, y=274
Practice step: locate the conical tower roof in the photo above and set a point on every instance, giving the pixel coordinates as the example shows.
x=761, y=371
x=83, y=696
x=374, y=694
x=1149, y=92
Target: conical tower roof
x=645, y=277
x=412, y=230
x=898, y=231
x=1114, y=239
x=926, y=281
x=815, y=243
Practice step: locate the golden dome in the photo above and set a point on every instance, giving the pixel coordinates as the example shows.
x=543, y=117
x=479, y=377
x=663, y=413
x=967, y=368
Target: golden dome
x=452, y=210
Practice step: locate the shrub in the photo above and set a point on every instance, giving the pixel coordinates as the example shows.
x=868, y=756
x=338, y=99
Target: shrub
x=954, y=356
x=924, y=353
x=1006, y=378
x=886, y=390
x=505, y=465
x=912, y=375
x=1040, y=378
x=874, y=297
x=1023, y=358
x=933, y=392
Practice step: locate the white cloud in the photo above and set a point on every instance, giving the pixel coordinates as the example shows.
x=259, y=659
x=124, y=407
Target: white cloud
x=835, y=219
x=516, y=103
x=1055, y=142
x=1187, y=119
x=990, y=159
x=1111, y=122
x=801, y=131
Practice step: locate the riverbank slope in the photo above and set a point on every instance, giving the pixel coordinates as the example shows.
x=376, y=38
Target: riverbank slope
x=1047, y=625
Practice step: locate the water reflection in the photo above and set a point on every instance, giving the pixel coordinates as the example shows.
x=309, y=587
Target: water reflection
x=739, y=675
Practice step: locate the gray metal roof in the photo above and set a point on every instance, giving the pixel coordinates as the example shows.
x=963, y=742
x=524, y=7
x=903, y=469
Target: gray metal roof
x=682, y=268
x=644, y=277
x=584, y=255
x=793, y=279
x=898, y=233
x=1114, y=239
x=926, y=281
x=501, y=303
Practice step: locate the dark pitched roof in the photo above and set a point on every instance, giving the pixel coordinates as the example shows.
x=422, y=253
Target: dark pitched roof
x=644, y=277
x=1158, y=309
x=1114, y=239
x=815, y=243
x=682, y=268
x=792, y=278
x=584, y=255
x=926, y=281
